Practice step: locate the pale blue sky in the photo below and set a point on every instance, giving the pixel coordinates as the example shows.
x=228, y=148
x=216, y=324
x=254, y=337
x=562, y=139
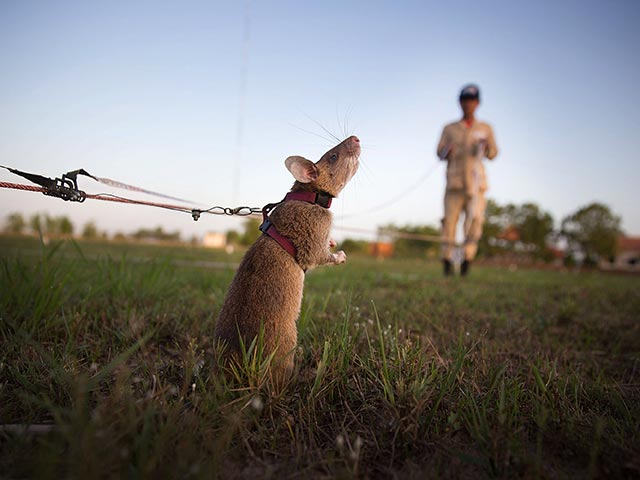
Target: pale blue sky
x=149, y=93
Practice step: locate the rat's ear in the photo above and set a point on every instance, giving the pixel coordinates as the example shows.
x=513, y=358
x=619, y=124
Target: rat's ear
x=303, y=170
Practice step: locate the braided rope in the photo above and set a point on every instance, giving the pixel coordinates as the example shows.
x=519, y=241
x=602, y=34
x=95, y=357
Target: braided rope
x=18, y=186
x=33, y=188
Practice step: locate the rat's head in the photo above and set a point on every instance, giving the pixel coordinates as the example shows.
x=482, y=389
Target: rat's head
x=331, y=173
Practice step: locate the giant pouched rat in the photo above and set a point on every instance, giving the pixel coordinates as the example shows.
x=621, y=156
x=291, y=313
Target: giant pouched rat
x=266, y=292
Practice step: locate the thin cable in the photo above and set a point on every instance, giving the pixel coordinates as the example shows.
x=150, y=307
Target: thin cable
x=133, y=188
x=397, y=198
x=395, y=234
x=109, y=197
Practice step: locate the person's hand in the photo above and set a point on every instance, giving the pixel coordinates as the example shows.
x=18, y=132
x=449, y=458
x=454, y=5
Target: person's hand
x=482, y=146
x=478, y=147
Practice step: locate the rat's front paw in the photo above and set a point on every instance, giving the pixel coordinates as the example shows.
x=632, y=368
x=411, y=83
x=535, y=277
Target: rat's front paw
x=339, y=257
x=332, y=243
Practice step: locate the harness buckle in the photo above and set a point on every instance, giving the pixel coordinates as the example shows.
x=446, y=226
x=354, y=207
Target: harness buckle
x=323, y=199
x=266, y=225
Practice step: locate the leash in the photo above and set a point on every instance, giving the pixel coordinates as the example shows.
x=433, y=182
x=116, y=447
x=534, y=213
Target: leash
x=66, y=188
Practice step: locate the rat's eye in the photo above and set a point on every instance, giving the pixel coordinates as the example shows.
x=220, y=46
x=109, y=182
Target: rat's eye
x=333, y=157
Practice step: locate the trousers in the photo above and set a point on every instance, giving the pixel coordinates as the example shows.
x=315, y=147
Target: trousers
x=474, y=207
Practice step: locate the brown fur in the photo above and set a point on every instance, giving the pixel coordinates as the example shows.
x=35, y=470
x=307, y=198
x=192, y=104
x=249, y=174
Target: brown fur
x=266, y=291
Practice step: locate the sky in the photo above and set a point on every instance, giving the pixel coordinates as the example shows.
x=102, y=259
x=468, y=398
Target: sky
x=205, y=100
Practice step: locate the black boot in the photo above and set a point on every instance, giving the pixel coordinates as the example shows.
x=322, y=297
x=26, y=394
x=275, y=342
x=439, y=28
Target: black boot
x=465, y=266
x=448, y=268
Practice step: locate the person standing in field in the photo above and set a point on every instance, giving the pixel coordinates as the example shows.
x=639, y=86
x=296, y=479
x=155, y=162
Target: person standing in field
x=464, y=144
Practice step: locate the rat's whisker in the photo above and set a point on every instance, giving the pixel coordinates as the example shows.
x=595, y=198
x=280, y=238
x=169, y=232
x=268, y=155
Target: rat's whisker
x=312, y=133
x=324, y=128
x=347, y=118
x=340, y=126
x=366, y=170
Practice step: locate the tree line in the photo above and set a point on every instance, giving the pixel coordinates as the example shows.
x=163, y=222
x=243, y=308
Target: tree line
x=61, y=226
x=588, y=235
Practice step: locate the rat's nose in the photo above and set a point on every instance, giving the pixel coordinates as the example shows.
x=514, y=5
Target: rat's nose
x=353, y=145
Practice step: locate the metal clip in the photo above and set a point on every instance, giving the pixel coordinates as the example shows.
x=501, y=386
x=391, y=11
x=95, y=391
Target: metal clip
x=66, y=188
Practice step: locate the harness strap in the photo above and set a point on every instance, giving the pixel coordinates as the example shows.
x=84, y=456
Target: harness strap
x=318, y=198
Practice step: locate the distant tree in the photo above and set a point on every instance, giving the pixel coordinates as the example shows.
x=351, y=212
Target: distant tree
x=251, y=231
x=351, y=246
x=48, y=225
x=534, y=229
x=15, y=223
x=35, y=223
x=593, y=231
x=172, y=236
x=157, y=233
x=90, y=231
x=233, y=237
x=494, y=224
x=51, y=225
x=65, y=227
x=569, y=261
x=413, y=247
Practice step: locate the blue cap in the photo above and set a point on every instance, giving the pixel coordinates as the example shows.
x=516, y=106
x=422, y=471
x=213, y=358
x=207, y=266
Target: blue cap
x=470, y=91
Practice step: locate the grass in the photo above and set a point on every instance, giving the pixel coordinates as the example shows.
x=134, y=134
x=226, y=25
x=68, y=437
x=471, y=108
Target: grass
x=400, y=372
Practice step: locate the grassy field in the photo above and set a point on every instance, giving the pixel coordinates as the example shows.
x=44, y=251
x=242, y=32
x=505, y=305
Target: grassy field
x=400, y=373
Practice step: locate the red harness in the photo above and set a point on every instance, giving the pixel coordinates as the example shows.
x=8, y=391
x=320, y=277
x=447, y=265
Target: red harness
x=267, y=228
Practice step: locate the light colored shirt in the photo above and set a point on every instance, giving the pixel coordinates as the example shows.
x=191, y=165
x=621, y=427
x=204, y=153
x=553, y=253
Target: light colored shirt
x=464, y=146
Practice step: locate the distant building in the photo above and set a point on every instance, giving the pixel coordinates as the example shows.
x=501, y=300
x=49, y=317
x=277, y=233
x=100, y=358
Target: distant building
x=214, y=240
x=510, y=234
x=628, y=256
x=381, y=249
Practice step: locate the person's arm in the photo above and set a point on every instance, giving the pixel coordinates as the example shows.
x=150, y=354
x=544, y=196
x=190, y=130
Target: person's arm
x=492, y=148
x=444, y=146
